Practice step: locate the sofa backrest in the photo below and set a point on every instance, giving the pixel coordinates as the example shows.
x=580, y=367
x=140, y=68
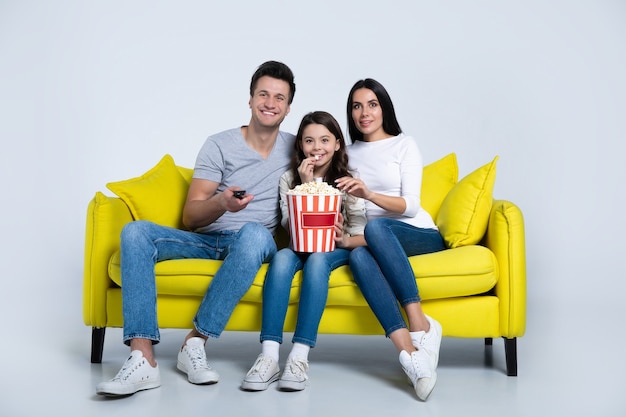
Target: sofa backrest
x=459, y=208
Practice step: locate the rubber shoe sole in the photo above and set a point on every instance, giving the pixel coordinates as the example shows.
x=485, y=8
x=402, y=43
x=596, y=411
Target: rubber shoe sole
x=291, y=385
x=123, y=390
x=425, y=386
x=259, y=386
x=207, y=377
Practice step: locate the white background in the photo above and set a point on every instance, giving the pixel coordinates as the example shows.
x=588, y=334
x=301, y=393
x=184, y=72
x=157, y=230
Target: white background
x=99, y=91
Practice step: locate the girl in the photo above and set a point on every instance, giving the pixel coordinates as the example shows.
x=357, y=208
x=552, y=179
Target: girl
x=390, y=178
x=320, y=152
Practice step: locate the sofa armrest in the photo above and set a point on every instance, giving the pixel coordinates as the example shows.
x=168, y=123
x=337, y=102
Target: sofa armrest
x=505, y=237
x=106, y=216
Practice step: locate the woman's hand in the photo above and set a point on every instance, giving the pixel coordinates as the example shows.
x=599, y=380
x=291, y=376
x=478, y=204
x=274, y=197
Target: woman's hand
x=305, y=170
x=355, y=187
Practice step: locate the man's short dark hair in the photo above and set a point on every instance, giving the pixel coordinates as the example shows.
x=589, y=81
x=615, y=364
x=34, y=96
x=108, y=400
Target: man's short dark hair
x=276, y=70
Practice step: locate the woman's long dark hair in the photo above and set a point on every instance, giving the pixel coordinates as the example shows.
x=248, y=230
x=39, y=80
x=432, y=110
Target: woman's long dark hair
x=339, y=164
x=390, y=122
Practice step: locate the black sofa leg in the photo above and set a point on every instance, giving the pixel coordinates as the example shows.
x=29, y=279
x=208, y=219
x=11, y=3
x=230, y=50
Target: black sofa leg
x=488, y=341
x=510, y=352
x=97, y=344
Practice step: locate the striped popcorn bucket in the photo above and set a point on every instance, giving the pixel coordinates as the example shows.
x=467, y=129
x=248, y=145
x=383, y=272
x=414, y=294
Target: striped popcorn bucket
x=312, y=221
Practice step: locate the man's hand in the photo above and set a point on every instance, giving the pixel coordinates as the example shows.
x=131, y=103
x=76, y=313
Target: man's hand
x=204, y=204
x=235, y=203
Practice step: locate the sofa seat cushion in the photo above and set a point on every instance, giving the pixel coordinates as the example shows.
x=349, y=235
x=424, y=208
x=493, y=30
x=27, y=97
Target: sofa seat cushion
x=463, y=271
x=458, y=272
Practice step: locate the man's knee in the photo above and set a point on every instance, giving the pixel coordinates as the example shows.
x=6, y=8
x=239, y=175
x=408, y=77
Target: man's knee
x=134, y=229
x=255, y=237
x=256, y=232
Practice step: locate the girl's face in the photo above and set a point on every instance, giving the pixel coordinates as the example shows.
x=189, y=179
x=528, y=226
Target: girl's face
x=319, y=143
x=368, y=115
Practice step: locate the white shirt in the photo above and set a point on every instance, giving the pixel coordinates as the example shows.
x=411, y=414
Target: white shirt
x=392, y=167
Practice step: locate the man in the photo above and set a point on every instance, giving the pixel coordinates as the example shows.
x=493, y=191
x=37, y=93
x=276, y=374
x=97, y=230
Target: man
x=223, y=225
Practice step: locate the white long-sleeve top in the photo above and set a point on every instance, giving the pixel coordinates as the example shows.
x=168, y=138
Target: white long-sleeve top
x=392, y=167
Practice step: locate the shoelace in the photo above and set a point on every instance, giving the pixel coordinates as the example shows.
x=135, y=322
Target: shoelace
x=127, y=370
x=198, y=358
x=261, y=365
x=421, y=366
x=298, y=368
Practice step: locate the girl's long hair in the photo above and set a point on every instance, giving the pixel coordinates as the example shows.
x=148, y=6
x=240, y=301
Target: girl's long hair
x=339, y=164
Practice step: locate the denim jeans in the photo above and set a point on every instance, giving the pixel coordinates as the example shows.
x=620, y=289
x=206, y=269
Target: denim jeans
x=313, y=292
x=143, y=244
x=382, y=269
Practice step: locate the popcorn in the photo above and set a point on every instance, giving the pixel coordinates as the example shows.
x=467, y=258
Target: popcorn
x=313, y=210
x=315, y=187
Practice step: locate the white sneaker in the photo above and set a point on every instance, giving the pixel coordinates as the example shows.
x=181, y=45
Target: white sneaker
x=264, y=371
x=294, y=376
x=136, y=374
x=419, y=367
x=192, y=361
x=430, y=341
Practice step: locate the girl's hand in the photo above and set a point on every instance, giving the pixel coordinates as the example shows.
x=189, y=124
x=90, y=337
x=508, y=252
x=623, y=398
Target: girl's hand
x=342, y=240
x=340, y=237
x=355, y=187
x=305, y=170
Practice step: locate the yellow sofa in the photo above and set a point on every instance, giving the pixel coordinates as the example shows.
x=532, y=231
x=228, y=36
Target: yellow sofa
x=475, y=289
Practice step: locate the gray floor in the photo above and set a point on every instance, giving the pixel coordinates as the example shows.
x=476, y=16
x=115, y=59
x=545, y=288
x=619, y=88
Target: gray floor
x=560, y=373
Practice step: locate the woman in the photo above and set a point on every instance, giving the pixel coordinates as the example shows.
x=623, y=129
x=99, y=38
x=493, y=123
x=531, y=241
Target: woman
x=390, y=177
x=320, y=154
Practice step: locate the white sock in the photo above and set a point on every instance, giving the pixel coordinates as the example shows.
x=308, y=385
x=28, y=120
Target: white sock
x=271, y=348
x=299, y=350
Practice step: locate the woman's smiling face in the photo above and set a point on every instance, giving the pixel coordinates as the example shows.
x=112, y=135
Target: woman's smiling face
x=368, y=115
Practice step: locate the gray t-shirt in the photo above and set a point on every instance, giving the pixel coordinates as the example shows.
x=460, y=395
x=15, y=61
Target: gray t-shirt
x=227, y=159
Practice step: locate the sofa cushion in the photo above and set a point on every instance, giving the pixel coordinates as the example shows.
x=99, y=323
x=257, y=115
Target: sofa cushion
x=158, y=195
x=438, y=178
x=464, y=212
x=459, y=272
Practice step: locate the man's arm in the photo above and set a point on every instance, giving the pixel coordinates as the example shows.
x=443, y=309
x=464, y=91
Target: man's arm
x=204, y=206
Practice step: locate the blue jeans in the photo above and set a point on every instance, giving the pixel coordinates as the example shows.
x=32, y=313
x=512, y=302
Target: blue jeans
x=382, y=269
x=143, y=244
x=313, y=292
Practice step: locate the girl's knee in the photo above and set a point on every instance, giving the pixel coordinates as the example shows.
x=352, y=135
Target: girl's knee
x=285, y=262
x=285, y=256
x=316, y=258
x=317, y=262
